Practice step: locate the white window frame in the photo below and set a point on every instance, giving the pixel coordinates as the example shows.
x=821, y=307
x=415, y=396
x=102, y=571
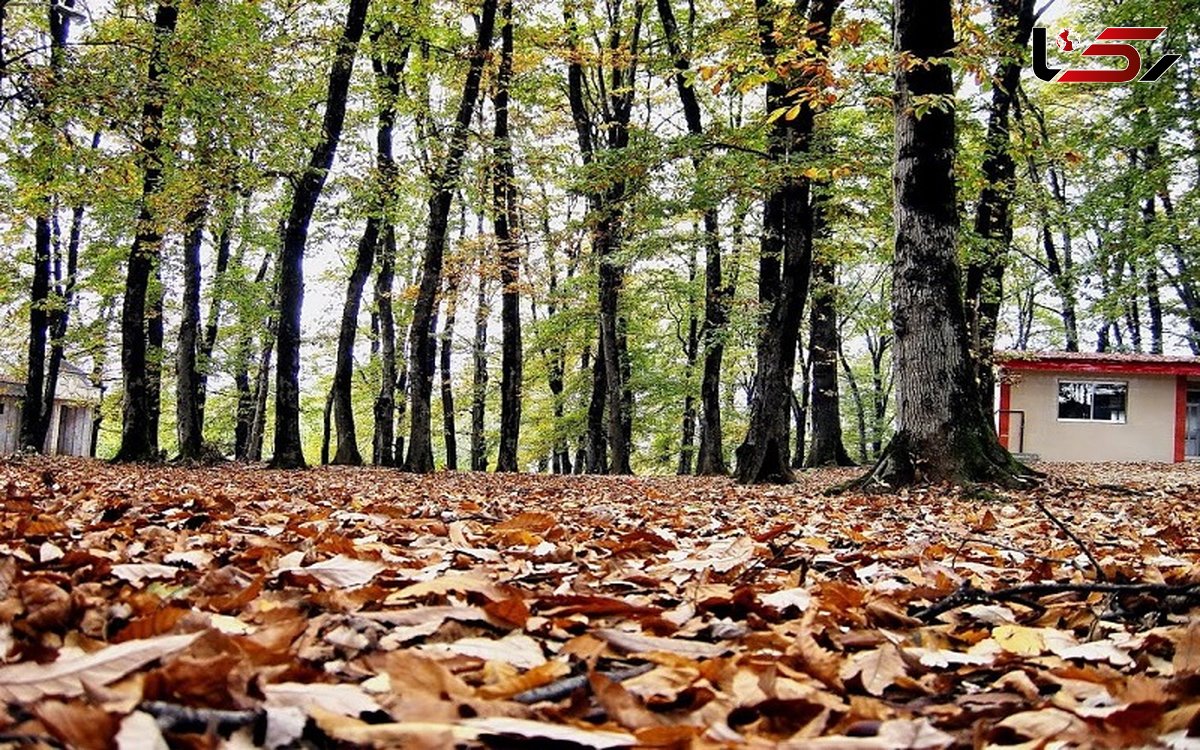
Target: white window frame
x=1094, y=382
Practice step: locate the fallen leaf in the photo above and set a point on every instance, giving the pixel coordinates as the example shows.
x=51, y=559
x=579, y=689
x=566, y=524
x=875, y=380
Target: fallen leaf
x=878, y=669
x=27, y=682
x=637, y=643
x=1020, y=640
x=340, y=571
x=348, y=700
x=535, y=730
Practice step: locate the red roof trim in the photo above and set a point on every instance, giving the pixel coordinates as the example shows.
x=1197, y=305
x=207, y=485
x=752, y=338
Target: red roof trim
x=1101, y=366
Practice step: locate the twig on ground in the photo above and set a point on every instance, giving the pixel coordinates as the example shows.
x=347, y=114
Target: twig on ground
x=1100, y=576
x=183, y=719
x=968, y=594
x=560, y=689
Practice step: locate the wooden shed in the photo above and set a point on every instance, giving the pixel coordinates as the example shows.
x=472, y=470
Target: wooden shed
x=71, y=419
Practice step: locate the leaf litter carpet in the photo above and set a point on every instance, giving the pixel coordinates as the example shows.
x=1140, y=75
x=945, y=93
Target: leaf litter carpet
x=237, y=607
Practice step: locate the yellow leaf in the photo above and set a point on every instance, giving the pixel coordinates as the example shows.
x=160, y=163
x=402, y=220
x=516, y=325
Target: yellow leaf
x=1020, y=640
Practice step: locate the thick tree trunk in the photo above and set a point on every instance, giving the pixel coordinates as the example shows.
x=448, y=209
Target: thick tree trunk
x=504, y=199
x=785, y=256
x=943, y=430
x=155, y=353
x=343, y=371
x=421, y=343
x=33, y=435
x=827, y=448
x=60, y=320
x=597, y=440
x=993, y=215
x=288, y=451
x=188, y=419
x=449, y=430
x=139, y=429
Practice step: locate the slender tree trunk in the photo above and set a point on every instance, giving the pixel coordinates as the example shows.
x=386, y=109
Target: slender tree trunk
x=61, y=318
x=421, y=344
x=827, y=448
x=33, y=436
x=984, y=289
x=155, y=354
x=288, y=451
x=326, y=426
x=449, y=430
x=505, y=206
x=139, y=429
x=860, y=411
x=785, y=257
x=387, y=74
x=188, y=420
x=879, y=395
x=597, y=439
x=479, y=450
x=943, y=429
x=343, y=372
x=219, y=292
x=691, y=353
x=711, y=454
x=247, y=396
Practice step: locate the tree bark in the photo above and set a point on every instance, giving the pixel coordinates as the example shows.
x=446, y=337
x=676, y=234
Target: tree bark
x=387, y=75
x=943, y=430
x=479, y=450
x=421, y=343
x=504, y=198
x=212, y=326
x=449, y=430
x=984, y=289
x=785, y=254
x=139, y=429
x=827, y=447
x=188, y=420
x=307, y=189
x=343, y=372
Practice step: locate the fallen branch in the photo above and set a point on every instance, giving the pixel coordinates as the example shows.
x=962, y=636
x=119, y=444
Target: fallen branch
x=1100, y=576
x=968, y=594
x=182, y=719
x=560, y=689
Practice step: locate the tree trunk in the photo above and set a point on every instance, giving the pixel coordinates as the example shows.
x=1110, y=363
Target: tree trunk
x=421, y=344
x=188, y=420
x=597, y=440
x=479, y=450
x=33, y=435
x=943, y=430
x=155, y=354
x=60, y=320
x=288, y=451
x=710, y=458
x=827, y=448
x=139, y=430
x=606, y=206
x=860, y=411
x=785, y=255
x=691, y=353
x=219, y=292
x=993, y=215
x=247, y=396
x=449, y=430
x=387, y=75
x=505, y=205
x=343, y=371
x=326, y=426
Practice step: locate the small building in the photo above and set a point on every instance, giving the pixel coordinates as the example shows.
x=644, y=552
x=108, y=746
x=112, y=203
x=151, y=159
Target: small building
x=75, y=404
x=1074, y=406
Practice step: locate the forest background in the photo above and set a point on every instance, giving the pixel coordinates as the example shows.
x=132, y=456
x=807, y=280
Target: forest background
x=579, y=186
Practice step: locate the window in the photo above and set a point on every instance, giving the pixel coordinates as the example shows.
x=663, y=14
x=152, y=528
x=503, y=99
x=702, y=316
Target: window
x=1092, y=401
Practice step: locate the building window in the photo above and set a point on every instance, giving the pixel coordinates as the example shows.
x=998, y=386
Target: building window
x=1092, y=401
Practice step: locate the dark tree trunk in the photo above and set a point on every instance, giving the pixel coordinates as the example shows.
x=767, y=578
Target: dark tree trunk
x=247, y=396
x=879, y=394
x=139, y=429
x=421, y=343
x=219, y=292
x=343, y=371
x=860, y=411
x=385, y=402
x=785, y=256
x=597, y=440
x=943, y=430
x=307, y=189
x=387, y=74
x=606, y=206
x=505, y=205
x=60, y=319
x=155, y=337
x=479, y=450
x=188, y=420
x=33, y=434
x=710, y=458
x=993, y=215
x=827, y=448
x=449, y=430
x=691, y=353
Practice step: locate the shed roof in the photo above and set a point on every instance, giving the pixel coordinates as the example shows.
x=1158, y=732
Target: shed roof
x=1099, y=362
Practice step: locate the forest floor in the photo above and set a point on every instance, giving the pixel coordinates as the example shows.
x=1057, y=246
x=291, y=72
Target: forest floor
x=242, y=607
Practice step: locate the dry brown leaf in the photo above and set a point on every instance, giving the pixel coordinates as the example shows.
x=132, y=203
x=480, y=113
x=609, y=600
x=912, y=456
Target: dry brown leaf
x=27, y=682
x=1187, y=650
x=877, y=669
x=504, y=726
x=540, y=675
x=462, y=583
x=637, y=643
x=77, y=725
x=621, y=706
